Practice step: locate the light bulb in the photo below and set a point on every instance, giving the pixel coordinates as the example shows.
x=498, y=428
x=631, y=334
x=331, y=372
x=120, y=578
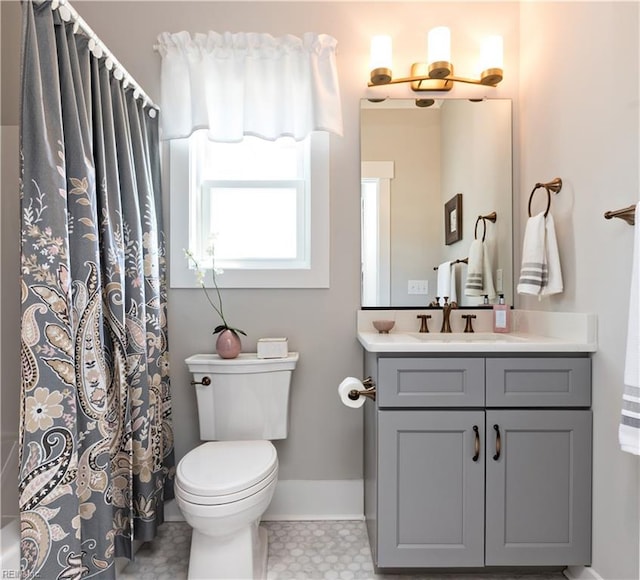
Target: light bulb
x=491, y=52
x=491, y=60
x=439, y=52
x=380, y=59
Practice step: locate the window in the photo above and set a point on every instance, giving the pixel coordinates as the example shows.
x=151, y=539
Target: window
x=262, y=206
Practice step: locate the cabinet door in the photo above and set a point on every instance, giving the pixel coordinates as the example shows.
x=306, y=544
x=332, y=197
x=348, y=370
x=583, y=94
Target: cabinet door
x=430, y=488
x=538, y=490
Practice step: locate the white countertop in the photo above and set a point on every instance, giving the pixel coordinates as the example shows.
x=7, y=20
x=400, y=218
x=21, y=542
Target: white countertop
x=534, y=331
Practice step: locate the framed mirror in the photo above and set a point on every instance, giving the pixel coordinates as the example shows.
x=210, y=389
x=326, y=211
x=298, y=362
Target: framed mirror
x=430, y=170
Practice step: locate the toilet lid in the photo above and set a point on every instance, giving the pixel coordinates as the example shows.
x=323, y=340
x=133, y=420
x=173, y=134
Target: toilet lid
x=224, y=467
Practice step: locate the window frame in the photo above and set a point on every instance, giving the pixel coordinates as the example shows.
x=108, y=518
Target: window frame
x=314, y=274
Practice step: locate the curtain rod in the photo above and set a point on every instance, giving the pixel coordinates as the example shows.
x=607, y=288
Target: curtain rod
x=99, y=49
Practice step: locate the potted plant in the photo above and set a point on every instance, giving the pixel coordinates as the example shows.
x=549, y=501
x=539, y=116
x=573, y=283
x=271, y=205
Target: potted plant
x=228, y=343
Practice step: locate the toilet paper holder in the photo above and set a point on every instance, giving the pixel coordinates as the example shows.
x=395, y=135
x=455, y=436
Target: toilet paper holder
x=369, y=390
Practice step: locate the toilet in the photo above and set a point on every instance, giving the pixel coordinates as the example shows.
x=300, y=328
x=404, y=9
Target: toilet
x=224, y=486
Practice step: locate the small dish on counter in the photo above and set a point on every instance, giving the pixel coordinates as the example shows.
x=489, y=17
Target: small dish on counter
x=383, y=326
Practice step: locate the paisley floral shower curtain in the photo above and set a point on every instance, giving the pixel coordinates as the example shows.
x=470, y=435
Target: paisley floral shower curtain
x=97, y=458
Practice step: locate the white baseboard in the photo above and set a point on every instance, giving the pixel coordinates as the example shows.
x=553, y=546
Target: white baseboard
x=340, y=499
x=581, y=573
x=172, y=512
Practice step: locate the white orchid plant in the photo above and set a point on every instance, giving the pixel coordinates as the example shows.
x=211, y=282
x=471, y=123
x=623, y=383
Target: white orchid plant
x=217, y=307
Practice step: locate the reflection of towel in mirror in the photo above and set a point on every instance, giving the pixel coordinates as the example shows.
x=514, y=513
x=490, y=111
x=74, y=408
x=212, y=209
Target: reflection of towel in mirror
x=447, y=283
x=629, y=430
x=479, y=272
x=540, y=274
x=487, y=275
x=453, y=297
x=474, y=285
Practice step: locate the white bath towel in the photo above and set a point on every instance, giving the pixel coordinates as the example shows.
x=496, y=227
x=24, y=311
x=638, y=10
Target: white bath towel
x=629, y=430
x=445, y=274
x=540, y=273
x=479, y=271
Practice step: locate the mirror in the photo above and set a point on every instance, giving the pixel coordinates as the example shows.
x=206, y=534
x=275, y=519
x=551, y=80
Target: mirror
x=430, y=168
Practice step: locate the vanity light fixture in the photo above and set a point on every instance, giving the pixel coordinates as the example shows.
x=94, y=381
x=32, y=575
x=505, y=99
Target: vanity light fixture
x=437, y=73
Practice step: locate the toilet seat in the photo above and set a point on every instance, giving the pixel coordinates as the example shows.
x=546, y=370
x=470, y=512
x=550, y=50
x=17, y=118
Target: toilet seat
x=220, y=472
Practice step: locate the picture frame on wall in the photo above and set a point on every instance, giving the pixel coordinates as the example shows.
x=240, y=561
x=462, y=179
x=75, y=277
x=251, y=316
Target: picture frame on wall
x=453, y=220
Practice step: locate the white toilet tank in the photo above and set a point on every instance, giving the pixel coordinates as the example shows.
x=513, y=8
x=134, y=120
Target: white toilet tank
x=246, y=398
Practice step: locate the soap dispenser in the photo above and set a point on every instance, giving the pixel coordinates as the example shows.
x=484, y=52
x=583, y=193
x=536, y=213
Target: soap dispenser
x=501, y=316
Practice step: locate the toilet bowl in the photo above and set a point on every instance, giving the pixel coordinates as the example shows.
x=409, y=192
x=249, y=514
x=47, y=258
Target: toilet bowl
x=222, y=489
x=224, y=486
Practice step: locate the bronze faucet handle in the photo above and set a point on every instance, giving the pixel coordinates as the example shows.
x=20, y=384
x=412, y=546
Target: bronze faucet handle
x=423, y=324
x=469, y=325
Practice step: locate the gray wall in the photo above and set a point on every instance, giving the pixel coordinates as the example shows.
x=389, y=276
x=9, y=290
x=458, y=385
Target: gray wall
x=567, y=123
x=589, y=138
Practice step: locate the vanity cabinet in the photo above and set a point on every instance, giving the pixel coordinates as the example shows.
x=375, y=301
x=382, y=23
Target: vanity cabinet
x=478, y=461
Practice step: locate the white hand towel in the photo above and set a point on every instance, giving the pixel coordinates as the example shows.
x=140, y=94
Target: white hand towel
x=444, y=282
x=629, y=430
x=474, y=285
x=487, y=275
x=552, y=259
x=533, y=273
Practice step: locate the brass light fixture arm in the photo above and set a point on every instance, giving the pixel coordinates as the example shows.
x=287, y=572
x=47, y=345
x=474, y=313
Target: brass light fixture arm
x=423, y=82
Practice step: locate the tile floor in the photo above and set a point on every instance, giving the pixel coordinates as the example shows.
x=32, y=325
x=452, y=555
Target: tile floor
x=318, y=550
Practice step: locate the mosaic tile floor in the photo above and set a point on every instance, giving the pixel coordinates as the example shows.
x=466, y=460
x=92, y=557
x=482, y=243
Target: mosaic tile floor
x=319, y=550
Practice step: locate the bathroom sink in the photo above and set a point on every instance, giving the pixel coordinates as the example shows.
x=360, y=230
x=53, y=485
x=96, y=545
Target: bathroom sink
x=462, y=337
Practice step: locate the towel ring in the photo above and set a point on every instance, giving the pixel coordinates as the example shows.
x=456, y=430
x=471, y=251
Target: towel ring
x=554, y=185
x=492, y=217
x=484, y=228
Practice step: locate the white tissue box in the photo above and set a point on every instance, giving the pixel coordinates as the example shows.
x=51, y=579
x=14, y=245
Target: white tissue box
x=273, y=348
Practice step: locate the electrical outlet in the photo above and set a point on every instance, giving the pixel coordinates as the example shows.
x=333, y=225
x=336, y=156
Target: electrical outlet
x=418, y=287
x=499, y=287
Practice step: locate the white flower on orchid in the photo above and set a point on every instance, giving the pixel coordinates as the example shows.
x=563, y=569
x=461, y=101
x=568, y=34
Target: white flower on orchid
x=200, y=277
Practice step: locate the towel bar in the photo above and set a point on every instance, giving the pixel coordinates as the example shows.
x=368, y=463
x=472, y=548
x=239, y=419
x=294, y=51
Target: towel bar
x=463, y=261
x=628, y=214
x=554, y=185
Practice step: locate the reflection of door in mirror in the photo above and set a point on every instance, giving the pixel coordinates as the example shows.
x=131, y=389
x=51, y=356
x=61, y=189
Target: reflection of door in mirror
x=376, y=220
x=414, y=160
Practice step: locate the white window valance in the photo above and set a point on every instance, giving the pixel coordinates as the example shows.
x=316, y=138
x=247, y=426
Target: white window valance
x=237, y=84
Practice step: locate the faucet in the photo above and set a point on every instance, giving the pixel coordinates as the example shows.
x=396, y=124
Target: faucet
x=446, y=314
x=423, y=325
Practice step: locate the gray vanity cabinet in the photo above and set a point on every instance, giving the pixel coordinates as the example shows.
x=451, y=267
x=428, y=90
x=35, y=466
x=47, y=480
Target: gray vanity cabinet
x=457, y=476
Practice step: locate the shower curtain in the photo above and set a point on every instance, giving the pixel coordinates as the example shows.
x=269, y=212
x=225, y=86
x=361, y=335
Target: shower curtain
x=97, y=458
